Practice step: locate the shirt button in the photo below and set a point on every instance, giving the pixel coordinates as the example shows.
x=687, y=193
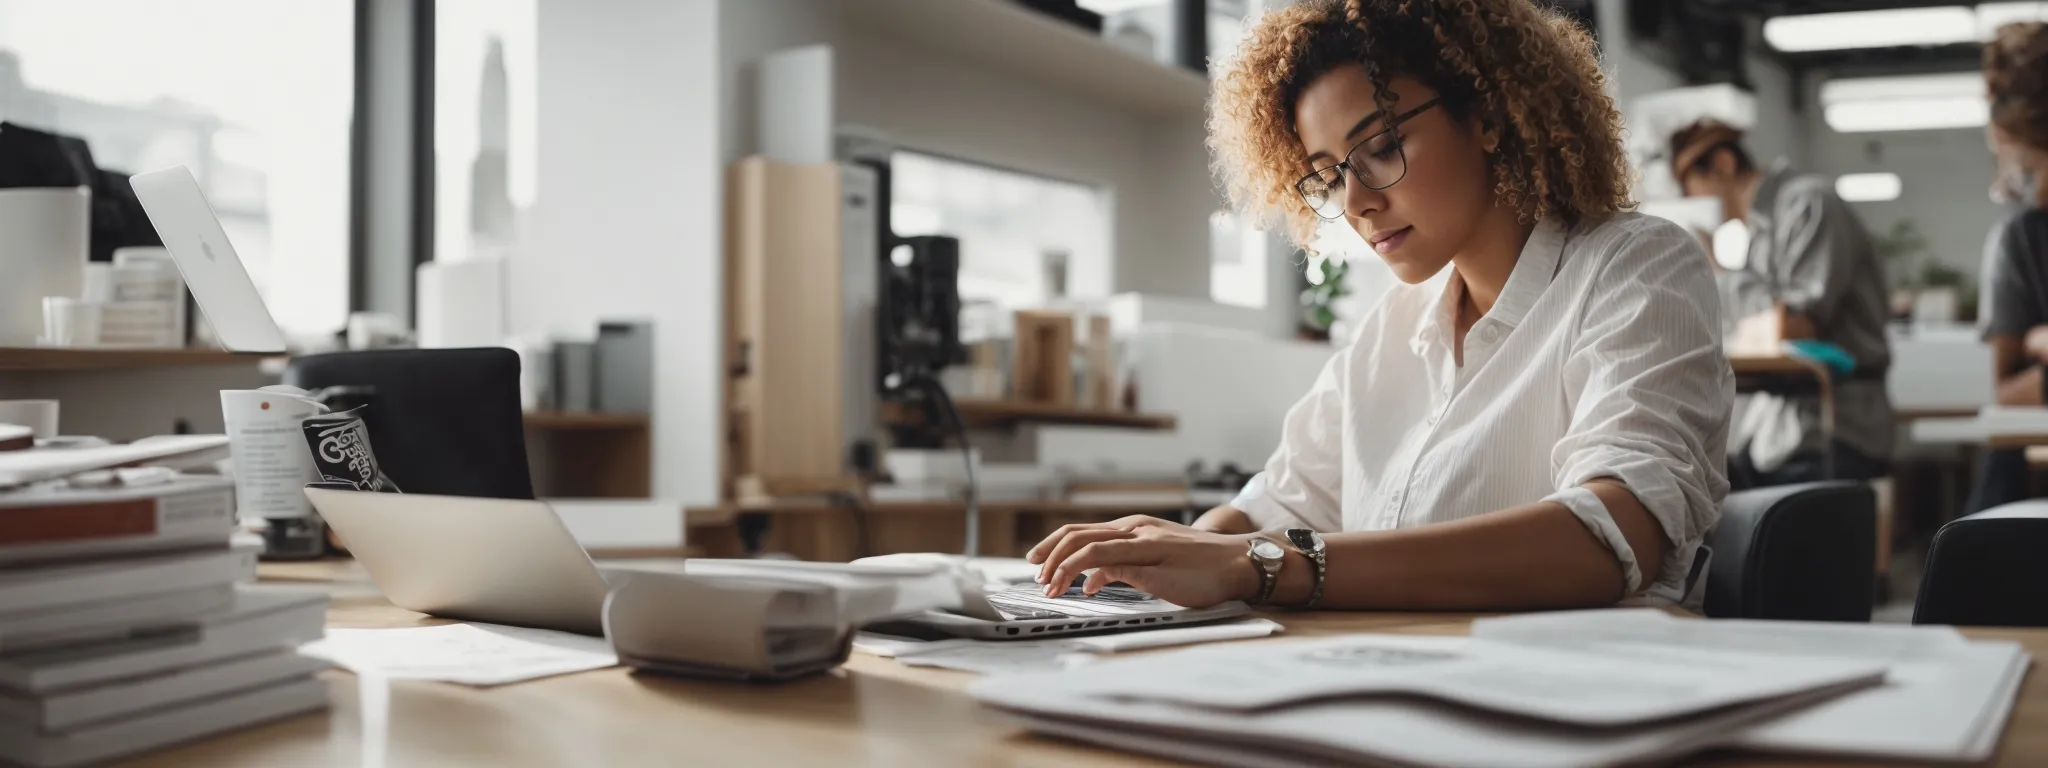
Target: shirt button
x=1490, y=334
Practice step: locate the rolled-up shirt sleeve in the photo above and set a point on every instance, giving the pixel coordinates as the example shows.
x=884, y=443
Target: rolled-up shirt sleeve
x=1649, y=390
x=1301, y=486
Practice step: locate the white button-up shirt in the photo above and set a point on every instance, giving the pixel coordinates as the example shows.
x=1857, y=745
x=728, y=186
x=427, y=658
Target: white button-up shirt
x=1601, y=359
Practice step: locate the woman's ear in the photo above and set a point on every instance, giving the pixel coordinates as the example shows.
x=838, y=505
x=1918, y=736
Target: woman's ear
x=1489, y=136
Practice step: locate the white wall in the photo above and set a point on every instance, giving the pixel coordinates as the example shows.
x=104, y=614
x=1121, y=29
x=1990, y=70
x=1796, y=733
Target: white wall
x=627, y=220
x=1946, y=175
x=1157, y=170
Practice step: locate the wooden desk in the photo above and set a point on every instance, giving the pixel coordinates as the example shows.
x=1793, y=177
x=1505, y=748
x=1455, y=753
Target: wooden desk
x=871, y=712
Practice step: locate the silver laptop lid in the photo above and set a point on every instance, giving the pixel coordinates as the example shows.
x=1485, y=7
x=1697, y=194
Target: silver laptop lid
x=212, y=270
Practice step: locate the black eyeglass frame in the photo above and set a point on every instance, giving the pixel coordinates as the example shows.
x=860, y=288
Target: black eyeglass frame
x=1400, y=149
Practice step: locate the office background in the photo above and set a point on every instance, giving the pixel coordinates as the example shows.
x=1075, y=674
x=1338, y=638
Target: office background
x=345, y=143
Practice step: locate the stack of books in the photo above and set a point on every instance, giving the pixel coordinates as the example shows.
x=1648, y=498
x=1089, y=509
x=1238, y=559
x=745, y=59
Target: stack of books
x=126, y=624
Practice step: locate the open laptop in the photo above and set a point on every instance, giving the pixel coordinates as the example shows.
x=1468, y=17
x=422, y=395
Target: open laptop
x=212, y=270
x=514, y=562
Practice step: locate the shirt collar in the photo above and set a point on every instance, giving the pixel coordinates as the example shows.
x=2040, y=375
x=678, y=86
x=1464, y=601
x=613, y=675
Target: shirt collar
x=1532, y=274
x=1534, y=269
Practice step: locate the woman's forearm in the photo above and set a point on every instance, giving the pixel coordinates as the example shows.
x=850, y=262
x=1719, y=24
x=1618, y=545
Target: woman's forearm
x=1226, y=519
x=1532, y=556
x=2021, y=388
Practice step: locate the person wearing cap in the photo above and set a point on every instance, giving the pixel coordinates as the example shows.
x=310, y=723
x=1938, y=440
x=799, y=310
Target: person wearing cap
x=1812, y=268
x=2014, y=319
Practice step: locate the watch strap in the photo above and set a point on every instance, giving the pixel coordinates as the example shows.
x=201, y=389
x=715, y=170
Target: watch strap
x=1301, y=538
x=1268, y=579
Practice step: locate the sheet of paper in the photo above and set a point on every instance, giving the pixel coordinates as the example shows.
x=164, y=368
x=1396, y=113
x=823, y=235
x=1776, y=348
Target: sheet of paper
x=1023, y=657
x=1000, y=656
x=1591, y=689
x=23, y=467
x=1093, y=703
x=469, y=654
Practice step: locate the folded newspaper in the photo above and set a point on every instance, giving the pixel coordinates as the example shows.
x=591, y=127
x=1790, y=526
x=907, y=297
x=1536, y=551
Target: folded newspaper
x=1421, y=701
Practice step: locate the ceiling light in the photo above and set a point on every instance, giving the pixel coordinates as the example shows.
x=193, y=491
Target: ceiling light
x=1872, y=29
x=1868, y=187
x=1991, y=16
x=1908, y=115
x=1906, y=103
x=1902, y=87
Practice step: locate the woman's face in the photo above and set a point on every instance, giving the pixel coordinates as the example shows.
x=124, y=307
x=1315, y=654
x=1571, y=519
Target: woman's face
x=1427, y=217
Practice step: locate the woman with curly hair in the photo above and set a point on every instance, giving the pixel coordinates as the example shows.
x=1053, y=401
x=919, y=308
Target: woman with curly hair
x=1541, y=425
x=2015, y=273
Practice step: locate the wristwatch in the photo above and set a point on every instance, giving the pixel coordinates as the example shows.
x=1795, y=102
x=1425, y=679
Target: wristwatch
x=1311, y=544
x=1267, y=556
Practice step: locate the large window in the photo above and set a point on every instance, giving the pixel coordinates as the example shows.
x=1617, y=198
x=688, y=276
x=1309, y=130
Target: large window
x=484, y=124
x=1025, y=240
x=254, y=96
x=1237, y=261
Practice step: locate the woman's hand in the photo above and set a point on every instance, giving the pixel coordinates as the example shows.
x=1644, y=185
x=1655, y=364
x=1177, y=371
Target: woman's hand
x=1173, y=562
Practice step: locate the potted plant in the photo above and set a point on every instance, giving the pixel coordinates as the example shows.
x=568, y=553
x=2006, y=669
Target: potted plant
x=1326, y=288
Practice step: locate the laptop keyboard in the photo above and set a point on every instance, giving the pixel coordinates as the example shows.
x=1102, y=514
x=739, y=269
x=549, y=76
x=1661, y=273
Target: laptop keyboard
x=1029, y=602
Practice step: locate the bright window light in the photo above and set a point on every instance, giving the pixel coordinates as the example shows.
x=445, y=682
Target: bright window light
x=1991, y=16
x=1868, y=187
x=1908, y=103
x=1871, y=29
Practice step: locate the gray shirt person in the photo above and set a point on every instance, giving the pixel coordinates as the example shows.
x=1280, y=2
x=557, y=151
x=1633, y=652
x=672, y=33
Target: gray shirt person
x=1809, y=251
x=2015, y=277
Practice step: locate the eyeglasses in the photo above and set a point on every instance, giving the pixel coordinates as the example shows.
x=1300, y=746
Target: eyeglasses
x=1378, y=162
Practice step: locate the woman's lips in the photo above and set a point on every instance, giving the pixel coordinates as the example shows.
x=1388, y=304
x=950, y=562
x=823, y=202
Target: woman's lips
x=1386, y=243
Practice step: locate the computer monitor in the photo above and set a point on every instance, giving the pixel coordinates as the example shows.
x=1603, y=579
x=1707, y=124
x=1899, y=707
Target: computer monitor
x=193, y=235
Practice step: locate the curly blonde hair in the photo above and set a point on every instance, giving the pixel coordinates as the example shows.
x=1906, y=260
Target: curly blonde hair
x=2016, y=78
x=1530, y=73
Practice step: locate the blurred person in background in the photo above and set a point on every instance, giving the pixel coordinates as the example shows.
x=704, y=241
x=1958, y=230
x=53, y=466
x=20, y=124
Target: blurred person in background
x=1814, y=274
x=2015, y=273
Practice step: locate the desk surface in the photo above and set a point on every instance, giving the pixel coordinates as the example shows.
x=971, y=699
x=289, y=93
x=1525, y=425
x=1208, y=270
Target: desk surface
x=1973, y=430
x=1755, y=365
x=871, y=712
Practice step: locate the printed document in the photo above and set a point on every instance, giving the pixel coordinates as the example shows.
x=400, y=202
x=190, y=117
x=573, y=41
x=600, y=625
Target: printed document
x=469, y=654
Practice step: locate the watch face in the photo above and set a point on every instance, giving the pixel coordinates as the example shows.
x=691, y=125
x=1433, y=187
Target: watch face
x=1265, y=549
x=1305, y=540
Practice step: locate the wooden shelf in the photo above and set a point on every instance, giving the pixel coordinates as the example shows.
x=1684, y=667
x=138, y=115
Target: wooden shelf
x=584, y=420
x=982, y=414
x=88, y=359
x=1016, y=41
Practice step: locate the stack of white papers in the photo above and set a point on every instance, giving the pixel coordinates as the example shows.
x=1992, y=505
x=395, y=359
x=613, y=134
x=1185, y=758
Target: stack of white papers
x=1944, y=698
x=1419, y=701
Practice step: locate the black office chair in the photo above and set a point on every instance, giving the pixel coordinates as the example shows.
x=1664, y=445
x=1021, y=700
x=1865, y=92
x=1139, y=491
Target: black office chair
x=441, y=421
x=1988, y=569
x=1801, y=552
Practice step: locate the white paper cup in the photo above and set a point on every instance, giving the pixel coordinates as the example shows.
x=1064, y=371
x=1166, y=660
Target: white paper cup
x=40, y=416
x=272, y=463
x=68, y=322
